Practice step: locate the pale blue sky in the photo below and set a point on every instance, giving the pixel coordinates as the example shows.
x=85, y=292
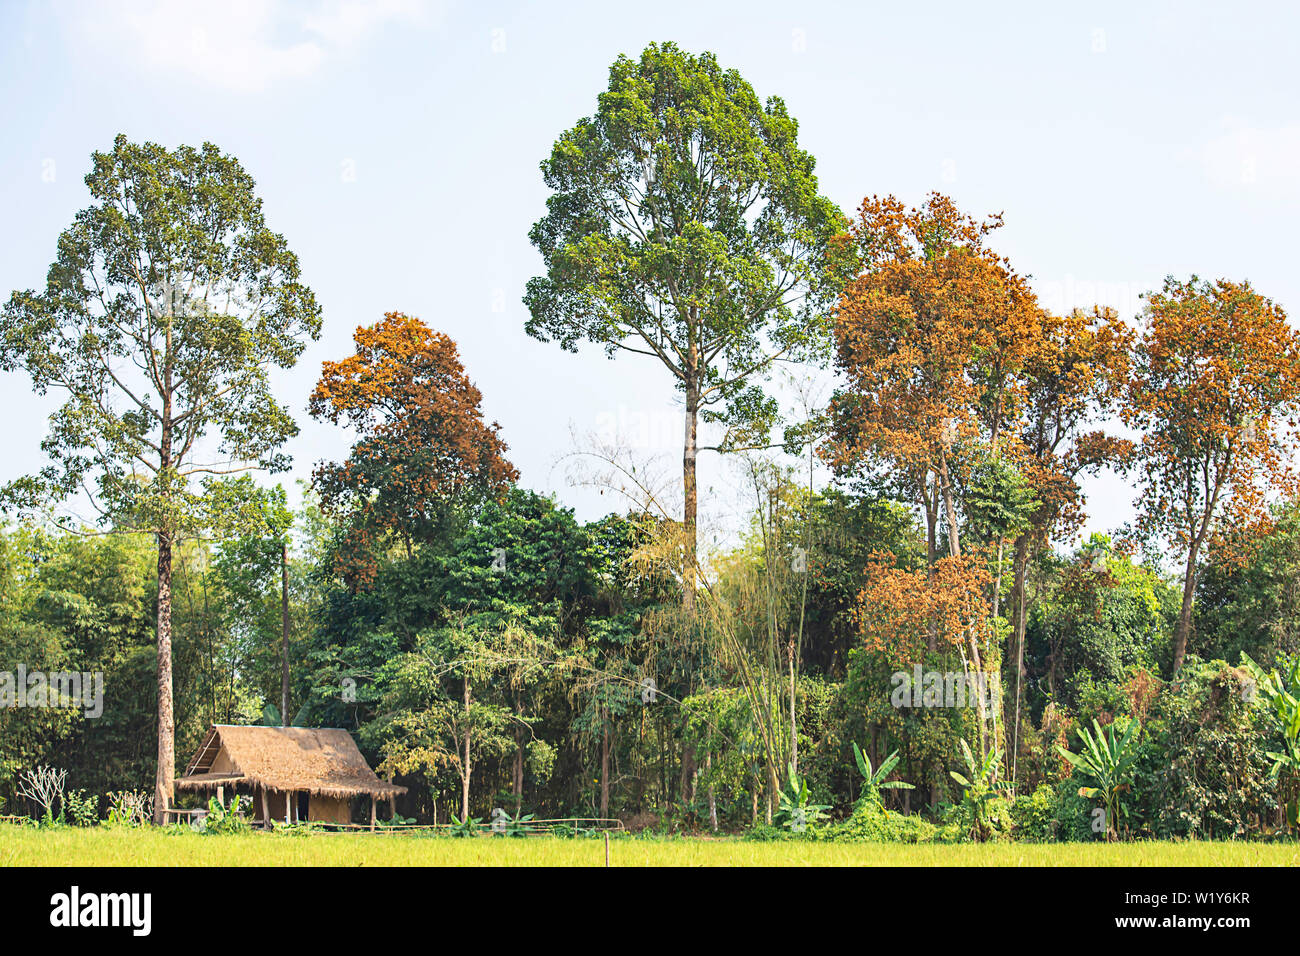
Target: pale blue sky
x=396, y=146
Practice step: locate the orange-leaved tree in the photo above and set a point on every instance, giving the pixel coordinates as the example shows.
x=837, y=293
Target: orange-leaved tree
x=1075, y=378
x=423, y=444
x=932, y=338
x=896, y=604
x=1215, y=390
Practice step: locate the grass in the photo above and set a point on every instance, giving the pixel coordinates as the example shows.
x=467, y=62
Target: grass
x=21, y=846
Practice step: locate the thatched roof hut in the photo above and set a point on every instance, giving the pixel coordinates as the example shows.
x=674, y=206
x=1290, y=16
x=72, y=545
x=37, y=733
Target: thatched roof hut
x=321, y=767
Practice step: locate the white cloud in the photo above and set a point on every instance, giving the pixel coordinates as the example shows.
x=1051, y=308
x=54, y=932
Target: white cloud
x=240, y=45
x=1248, y=157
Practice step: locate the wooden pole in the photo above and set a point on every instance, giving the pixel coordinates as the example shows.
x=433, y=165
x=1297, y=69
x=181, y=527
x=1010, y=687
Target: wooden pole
x=607, y=848
x=372, y=812
x=266, y=810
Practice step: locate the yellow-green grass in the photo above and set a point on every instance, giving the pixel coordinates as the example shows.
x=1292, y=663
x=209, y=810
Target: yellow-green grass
x=123, y=847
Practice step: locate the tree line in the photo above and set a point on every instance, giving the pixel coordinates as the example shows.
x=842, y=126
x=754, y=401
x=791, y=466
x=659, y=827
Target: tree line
x=488, y=649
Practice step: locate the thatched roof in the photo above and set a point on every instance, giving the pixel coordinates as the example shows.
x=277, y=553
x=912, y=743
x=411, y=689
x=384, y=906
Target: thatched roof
x=322, y=761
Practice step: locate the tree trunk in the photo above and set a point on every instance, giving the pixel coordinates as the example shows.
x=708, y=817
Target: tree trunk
x=773, y=790
x=166, y=771
x=1018, y=636
x=464, y=779
x=950, y=509
x=604, y=763
x=687, y=786
x=931, y=553
x=997, y=579
x=713, y=800
x=518, y=774
x=165, y=775
x=284, y=635
x=690, y=493
x=977, y=668
x=1185, y=613
x=794, y=730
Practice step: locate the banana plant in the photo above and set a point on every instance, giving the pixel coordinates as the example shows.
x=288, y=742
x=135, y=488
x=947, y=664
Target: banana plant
x=873, y=781
x=1280, y=697
x=1107, y=759
x=979, y=788
x=796, y=807
x=520, y=825
x=469, y=827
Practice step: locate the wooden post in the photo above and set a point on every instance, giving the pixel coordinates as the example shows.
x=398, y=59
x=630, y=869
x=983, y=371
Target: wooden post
x=266, y=810
x=288, y=806
x=607, y=848
x=221, y=795
x=372, y=811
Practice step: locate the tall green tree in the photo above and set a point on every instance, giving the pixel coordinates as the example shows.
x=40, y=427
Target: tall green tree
x=686, y=225
x=167, y=305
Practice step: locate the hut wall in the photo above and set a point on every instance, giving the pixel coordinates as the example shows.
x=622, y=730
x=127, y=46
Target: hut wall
x=330, y=809
x=276, y=801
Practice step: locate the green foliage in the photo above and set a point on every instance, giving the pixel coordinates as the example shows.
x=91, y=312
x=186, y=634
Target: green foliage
x=873, y=781
x=982, y=813
x=75, y=603
x=1107, y=759
x=223, y=819
x=80, y=809
x=998, y=499
x=468, y=827
x=1279, y=693
x=169, y=294
x=519, y=825
x=797, y=811
x=685, y=221
x=1204, y=771
x=925, y=737
x=1033, y=816
x=1073, y=815
x=872, y=823
x=1252, y=607
x=1279, y=696
x=844, y=530
x=1099, y=615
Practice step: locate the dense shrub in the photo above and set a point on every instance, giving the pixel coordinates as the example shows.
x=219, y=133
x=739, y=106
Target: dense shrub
x=872, y=823
x=1206, y=769
x=1072, y=815
x=1033, y=816
x=959, y=821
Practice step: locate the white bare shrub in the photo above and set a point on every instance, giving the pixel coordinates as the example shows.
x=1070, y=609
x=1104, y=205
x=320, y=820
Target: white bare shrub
x=132, y=808
x=43, y=785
